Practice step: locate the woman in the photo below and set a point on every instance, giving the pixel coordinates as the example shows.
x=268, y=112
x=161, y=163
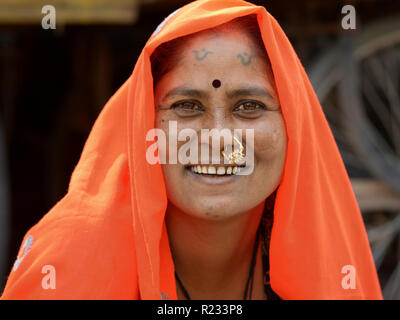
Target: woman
x=129, y=228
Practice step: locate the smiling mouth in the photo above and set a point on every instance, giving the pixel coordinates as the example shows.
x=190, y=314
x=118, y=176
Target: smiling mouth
x=215, y=171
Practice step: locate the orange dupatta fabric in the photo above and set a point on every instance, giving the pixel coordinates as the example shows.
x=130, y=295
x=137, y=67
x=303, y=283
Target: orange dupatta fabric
x=106, y=238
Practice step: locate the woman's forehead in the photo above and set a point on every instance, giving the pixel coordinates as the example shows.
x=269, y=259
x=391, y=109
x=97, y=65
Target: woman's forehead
x=230, y=57
x=207, y=69
x=222, y=56
x=220, y=43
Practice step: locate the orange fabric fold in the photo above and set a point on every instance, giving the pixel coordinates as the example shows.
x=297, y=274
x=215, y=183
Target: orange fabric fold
x=106, y=238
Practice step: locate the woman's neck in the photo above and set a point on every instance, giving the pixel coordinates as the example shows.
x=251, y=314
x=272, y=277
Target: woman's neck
x=213, y=257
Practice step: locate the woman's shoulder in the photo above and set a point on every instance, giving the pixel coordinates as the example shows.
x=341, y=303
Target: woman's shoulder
x=72, y=254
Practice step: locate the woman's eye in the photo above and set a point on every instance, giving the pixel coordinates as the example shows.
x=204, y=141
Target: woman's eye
x=249, y=106
x=186, y=106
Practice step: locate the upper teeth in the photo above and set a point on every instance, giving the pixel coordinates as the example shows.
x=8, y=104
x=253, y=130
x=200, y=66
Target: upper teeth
x=215, y=170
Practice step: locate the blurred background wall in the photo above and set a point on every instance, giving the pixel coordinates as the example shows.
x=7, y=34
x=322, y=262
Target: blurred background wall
x=54, y=83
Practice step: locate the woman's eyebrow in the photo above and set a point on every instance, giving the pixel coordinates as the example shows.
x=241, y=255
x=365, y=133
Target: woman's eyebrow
x=249, y=91
x=191, y=92
x=186, y=91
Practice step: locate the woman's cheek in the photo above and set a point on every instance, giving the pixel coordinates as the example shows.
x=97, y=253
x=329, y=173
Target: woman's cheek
x=270, y=140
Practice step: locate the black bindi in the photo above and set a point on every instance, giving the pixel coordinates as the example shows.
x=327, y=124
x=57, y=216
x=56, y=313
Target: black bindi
x=216, y=83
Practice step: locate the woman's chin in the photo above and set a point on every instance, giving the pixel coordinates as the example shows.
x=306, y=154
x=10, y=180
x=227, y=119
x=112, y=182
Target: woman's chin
x=216, y=210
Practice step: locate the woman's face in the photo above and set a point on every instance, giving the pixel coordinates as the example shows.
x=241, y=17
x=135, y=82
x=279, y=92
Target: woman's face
x=232, y=59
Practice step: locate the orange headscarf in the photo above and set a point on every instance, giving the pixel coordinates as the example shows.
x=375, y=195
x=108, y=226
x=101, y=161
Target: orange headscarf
x=107, y=239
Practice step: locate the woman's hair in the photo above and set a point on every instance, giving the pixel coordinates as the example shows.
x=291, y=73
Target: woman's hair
x=165, y=56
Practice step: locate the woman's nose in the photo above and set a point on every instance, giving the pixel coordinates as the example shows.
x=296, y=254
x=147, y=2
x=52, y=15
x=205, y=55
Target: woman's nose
x=216, y=126
x=216, y=118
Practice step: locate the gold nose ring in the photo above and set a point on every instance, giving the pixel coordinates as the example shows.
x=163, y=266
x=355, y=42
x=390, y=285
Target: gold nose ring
x=236, y=155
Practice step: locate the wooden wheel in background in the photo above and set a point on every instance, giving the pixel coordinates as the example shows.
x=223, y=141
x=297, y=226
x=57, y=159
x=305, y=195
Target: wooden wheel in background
x=358, y=84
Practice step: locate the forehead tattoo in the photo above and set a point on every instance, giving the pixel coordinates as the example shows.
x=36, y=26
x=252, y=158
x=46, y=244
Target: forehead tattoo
x=201, y=55
x=245, y=58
